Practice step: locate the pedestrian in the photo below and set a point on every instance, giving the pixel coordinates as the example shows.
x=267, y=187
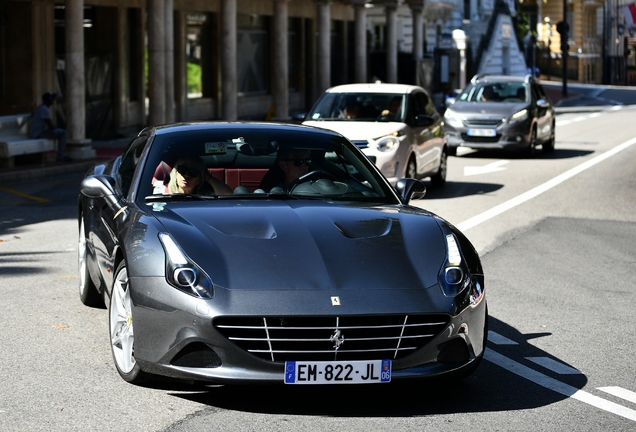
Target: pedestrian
x=42, y=126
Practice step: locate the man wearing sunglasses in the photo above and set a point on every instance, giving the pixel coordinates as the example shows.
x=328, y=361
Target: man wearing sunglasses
x=294, y=164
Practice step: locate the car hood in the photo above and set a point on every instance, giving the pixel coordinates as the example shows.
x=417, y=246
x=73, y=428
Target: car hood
x=356, y=130
x=294, y=245
x=487, y=109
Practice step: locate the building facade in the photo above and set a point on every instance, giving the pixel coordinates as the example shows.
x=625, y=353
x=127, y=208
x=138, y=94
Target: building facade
x=119, y=65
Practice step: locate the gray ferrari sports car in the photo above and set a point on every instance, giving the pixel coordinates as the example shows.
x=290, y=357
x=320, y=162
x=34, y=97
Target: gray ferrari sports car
x=273, y=253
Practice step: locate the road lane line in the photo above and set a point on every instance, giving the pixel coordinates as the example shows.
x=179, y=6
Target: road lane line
x=498, y=339
x=620, y=392
x=23, y=195
x=533, y=193
x=554, y=366
x=557, y=386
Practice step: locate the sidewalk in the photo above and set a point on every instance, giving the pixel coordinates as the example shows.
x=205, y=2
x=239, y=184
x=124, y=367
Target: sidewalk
x=104, y=151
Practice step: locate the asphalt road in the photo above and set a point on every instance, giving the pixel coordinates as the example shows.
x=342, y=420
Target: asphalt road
x=556, y=234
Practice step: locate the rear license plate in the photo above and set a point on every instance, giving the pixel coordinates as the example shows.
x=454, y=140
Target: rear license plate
x=482, y=132
x=352, y=372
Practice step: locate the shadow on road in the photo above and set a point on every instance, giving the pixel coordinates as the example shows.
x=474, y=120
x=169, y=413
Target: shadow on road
x=21, y=205
x=558, y=153
x=459, y=189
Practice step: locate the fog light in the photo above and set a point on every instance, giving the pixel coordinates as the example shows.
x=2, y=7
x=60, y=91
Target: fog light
x=453, y=351
x=186, y=277
x=454, y=275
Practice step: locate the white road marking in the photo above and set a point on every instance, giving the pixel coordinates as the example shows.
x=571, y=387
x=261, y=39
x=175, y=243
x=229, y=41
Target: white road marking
x=533, y=193
x=485, y=169
x=498, y=339
x=620, y=392
x=557, y=386
x=554, y=366
x=593, y=115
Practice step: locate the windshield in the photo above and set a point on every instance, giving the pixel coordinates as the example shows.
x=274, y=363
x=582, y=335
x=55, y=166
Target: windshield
x=496, y=92
x=259, y=163
x=360, y=107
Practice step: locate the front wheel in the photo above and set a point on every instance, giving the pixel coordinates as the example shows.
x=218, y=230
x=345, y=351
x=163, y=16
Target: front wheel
x=439, y=178
x=411, y=168
x=531, y=150
x=548, y=146
x=122, y=336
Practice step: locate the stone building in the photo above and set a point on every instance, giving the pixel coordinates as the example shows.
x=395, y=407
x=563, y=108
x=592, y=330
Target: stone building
x=119, y=65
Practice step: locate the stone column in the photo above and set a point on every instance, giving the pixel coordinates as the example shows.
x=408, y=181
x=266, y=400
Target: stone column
x=180, y=78
x=78, y=147
x=323, y=19
x=156, y=63
x=169, y=45
x=418, y=28
x=229, y=84
x=391, y=42
x=360, y=42
x=280, y=68
x=121, y=72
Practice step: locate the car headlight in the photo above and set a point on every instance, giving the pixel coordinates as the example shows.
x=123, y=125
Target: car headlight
x=454, y=276
x=182, y=273
x=388, y=143
x=519, y=116
x=452, y=118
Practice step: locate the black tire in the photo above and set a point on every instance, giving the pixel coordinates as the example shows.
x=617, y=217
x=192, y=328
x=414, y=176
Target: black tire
x=439, y=178
x=411, y=168
x=531, y=150
x=120, y=325
x=452, y=151
x=87, y=290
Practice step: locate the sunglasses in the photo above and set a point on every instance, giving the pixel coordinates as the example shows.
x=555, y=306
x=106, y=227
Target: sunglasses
x=299, y=162
x=190, y=172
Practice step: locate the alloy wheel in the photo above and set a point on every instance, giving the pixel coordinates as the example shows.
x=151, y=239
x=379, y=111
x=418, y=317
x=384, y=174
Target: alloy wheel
x=121, y=323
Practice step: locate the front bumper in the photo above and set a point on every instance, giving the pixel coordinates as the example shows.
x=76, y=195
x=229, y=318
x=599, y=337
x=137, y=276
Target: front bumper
x=168, y=323
x=509, y=138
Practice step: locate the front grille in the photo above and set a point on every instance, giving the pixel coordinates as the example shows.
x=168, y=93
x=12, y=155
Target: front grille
x=478, y=139
x=322, y=338
x=492, y=121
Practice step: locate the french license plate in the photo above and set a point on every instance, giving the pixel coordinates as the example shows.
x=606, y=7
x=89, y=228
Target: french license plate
x=352, y=372
x=482, y=132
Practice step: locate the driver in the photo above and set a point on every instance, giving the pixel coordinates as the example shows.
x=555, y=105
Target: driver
x=294, y=163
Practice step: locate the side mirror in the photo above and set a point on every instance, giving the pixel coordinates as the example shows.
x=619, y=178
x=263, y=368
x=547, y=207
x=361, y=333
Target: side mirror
x=409, y=189
x=101, y=186
x=98, y=186
x=298, y=117
x=424, y=120
x=542, y=103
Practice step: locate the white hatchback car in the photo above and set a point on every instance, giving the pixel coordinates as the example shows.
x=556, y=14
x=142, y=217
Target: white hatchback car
x=395, y=125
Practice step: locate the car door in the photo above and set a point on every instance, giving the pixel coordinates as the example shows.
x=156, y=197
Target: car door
x=544, y=113
x=427, y=146
x=108, y=219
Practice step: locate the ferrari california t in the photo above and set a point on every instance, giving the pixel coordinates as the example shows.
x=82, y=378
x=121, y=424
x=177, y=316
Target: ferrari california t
x=272, y=253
